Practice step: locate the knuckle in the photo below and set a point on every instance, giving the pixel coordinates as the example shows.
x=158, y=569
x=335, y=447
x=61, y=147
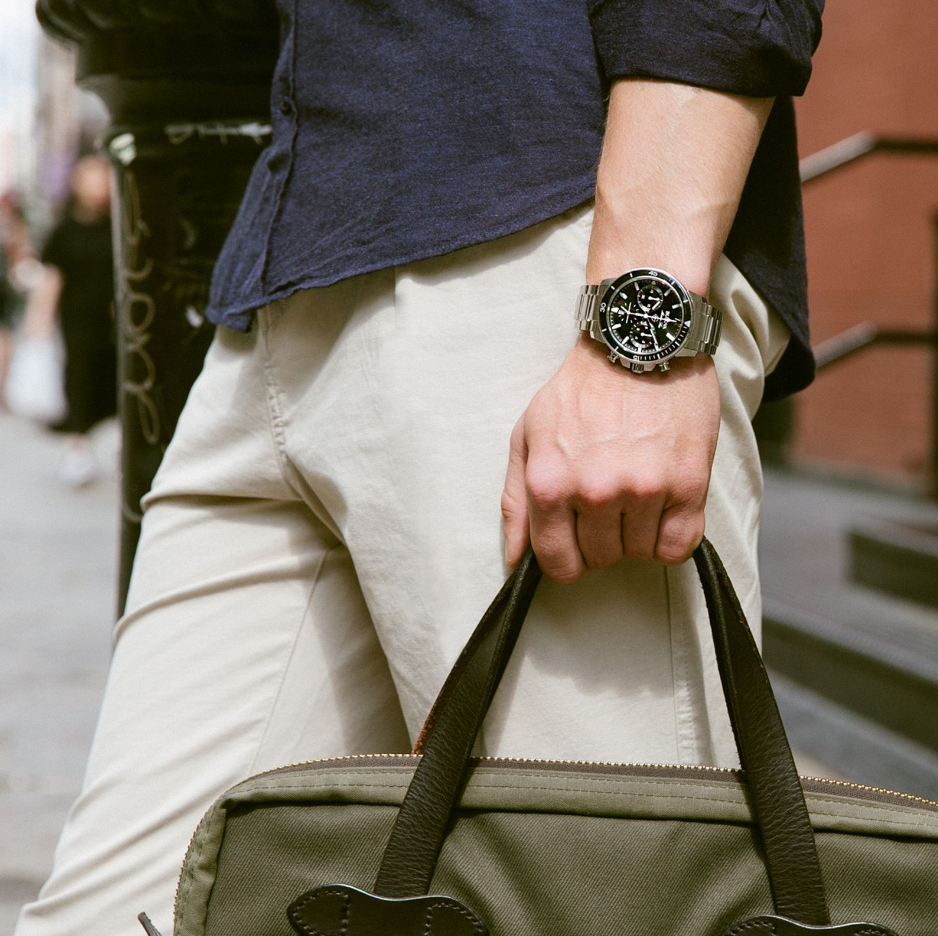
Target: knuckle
x=545, y=488
x=559, y=564
x=596, y=493
x=643, y=489
x=692, y=488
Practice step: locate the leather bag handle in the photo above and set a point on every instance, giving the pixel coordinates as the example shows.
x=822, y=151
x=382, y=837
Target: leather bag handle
x=449, y=734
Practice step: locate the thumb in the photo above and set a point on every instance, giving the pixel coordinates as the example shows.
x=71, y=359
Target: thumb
x=514, y=498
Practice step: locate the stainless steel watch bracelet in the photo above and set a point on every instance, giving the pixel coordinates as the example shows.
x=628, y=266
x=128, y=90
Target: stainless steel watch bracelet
x=705, y=328
x=587, y=304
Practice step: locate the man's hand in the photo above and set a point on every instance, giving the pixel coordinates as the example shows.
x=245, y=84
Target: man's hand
x=605, y=463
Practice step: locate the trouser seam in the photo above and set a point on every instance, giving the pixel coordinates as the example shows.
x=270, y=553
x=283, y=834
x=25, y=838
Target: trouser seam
x=275, y=417
x=686, y=735
x=252, y=768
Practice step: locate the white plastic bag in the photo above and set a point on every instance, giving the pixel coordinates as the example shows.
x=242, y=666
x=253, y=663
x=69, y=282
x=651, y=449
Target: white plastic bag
x=34, y=385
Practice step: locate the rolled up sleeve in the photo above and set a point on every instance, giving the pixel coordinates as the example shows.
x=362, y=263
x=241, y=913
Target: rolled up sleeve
x=757, y=48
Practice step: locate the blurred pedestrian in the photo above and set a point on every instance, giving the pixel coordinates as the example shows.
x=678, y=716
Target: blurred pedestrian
x=77, y=287
x=15, y=250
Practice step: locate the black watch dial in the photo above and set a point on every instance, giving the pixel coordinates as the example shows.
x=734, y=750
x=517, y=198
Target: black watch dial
x=645, y=316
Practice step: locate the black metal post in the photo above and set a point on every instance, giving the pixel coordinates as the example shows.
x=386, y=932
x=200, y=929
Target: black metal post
x=177, y=195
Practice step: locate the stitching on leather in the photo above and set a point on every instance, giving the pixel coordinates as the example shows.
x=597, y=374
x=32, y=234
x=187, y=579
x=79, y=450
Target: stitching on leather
x=833, y=798
x=748, y=925
x=769, y=928
x=312, y=898
x=428, y=927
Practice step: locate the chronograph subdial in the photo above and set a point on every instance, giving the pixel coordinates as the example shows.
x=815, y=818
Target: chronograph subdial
x=650, y=298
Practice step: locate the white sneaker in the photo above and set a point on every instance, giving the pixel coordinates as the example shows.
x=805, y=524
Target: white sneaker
x=78, y=468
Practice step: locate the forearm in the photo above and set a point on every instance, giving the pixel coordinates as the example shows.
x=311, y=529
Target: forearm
x=674, y=162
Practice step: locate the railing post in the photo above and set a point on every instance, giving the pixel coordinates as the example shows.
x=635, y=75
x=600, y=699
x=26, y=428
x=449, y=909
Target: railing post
x=177, y=191
x=933, y=480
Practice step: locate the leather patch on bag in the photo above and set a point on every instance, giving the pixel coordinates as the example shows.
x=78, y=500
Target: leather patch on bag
x=779, y=926
x=341, y=910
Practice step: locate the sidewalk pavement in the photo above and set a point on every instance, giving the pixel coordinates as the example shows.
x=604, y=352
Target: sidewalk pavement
x=58, y=560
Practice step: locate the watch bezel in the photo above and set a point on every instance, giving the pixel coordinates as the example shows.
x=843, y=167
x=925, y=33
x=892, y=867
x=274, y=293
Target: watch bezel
x=614, y=287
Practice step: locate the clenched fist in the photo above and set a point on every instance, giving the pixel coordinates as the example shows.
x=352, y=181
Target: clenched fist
x=605, y=463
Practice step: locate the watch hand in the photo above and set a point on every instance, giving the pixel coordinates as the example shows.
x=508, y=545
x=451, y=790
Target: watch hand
x=656, y=318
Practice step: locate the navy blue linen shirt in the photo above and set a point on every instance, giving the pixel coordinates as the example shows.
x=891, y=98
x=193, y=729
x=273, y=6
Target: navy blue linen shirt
x=404, y=129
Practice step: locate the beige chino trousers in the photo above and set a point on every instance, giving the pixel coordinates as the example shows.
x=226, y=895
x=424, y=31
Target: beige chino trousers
x=325, y=532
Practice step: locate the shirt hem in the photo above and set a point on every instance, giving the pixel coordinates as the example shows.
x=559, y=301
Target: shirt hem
x=238, y=315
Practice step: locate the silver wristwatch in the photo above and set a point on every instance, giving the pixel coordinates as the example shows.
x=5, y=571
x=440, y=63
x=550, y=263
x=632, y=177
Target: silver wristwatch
x=646, y=317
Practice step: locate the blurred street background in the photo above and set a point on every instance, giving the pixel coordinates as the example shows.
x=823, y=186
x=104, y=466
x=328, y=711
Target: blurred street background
x=58, y=555
x=850, y=532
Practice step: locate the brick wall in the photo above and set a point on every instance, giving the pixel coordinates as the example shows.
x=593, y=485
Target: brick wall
x=870, y=238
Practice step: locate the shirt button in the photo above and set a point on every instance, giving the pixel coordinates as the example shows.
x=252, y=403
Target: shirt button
x=286, y=105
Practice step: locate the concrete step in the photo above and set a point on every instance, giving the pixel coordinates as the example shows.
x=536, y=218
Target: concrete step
x=837, y=743
x=858, y=667
x=898, y=558
x=886, y=674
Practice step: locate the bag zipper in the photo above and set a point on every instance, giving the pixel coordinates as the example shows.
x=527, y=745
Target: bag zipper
x=887, y=795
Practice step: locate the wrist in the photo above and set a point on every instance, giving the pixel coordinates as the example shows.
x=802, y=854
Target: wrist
x=604, y=264
x=620, y=241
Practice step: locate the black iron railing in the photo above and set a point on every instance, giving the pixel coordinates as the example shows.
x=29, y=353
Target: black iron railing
x=858, y=146
x=868, y=334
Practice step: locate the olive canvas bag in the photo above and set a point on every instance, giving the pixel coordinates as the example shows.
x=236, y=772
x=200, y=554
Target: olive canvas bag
x=441, y=843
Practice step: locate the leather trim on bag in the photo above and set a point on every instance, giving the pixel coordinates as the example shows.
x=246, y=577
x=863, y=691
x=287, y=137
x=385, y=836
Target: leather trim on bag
x=341, y=910
x=768, y=925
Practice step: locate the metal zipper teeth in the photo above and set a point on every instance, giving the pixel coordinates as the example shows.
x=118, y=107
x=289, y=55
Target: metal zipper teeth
x=508, y=761
x=873, y=789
